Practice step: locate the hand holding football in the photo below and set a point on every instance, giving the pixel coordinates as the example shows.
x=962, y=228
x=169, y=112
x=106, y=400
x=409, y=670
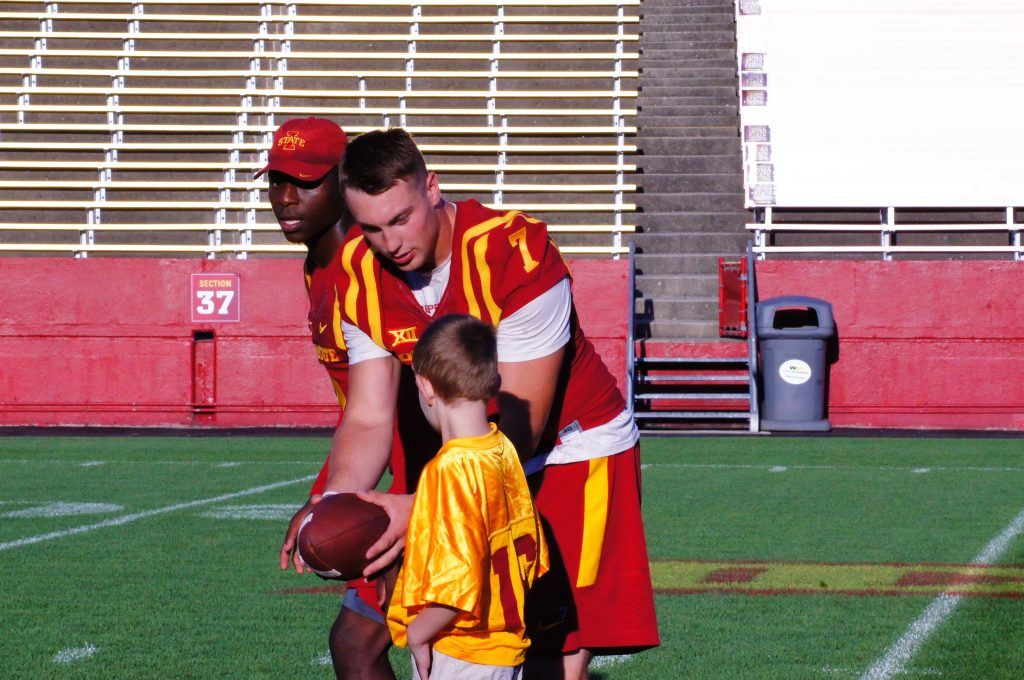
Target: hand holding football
x=335, y=536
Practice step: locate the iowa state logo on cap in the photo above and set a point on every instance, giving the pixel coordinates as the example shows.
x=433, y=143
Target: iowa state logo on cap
x=290, y=141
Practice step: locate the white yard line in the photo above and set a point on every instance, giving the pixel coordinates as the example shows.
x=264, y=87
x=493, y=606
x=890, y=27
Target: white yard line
x=125, y=519
x=215, y=463
x=880, y=468
x=895, y=659
x=76, y=654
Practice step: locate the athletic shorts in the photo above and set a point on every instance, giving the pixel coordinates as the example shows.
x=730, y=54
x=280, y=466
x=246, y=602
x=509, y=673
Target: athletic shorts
x=361, y=597
x=598, y=594
x=450, y=668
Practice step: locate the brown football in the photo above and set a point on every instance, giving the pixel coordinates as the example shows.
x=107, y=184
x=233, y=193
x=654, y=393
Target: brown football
x=334, y=538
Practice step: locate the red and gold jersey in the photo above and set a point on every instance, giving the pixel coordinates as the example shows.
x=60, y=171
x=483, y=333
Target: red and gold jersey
x=323, y=287
x=326, y=288
x=475, y=544
x=500, y=262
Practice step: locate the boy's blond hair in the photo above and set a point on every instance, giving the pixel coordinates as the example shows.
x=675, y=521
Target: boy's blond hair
x=458, y=354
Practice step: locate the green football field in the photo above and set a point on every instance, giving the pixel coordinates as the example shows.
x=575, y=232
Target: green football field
x=772, y=557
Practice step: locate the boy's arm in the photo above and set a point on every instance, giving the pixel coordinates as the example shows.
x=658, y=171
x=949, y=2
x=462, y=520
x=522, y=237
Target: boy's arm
x=431, y=620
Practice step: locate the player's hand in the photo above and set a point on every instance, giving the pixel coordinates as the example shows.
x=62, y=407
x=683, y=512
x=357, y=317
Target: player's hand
x=421, y=657
x=288, y=551
x=389, y=547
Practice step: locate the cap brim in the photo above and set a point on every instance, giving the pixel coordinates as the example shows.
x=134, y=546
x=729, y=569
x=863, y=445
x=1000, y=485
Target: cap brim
x=306, y=172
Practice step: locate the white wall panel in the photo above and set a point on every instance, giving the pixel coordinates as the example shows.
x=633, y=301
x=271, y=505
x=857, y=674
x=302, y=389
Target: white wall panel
x=883, y=103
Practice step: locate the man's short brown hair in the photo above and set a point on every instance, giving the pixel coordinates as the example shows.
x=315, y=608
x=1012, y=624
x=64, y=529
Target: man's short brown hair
x=458, y=354
x=376, y=160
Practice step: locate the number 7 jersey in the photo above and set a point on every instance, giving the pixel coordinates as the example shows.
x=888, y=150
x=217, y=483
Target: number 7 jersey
x=500, y=262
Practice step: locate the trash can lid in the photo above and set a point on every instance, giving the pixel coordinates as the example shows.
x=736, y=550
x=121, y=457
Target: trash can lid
x=795, y=316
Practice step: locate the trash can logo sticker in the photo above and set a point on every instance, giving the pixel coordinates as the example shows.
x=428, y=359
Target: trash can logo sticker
x=795, y=372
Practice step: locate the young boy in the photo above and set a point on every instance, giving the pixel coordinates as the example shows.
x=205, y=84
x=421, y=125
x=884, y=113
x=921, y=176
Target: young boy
x=474, y=544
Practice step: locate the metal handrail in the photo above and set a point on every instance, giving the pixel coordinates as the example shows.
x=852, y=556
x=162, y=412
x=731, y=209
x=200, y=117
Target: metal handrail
x=755, y=411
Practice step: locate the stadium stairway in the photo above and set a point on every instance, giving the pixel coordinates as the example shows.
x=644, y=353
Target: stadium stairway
x=691, y=212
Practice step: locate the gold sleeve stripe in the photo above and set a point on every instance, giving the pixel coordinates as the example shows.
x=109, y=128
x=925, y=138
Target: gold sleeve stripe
x=372, y=299
x=595, y=517
x=339, y=337
x=342, y=399
x=467, y=280
x=352, y=292
x=484, y=272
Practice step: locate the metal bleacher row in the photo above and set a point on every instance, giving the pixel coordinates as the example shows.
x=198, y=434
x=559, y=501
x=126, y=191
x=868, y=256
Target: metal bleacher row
x=136, y=127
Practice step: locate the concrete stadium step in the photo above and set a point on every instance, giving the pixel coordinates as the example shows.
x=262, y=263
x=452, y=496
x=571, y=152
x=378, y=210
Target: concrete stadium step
x=663, y=328
x=679, y=285
x=697, y=202
x=725, y=71
x=667, y=64
x=677, y=85
x=678, y=4
x=691, y=164
x=663, y=49
x=716, y=101
x=690, y=242
x=711, y=19
x=689, y=183
x=680, y=7
x=710, y=141
x=709, y=108
x=718, y=93
x=655, y=263
x=690, y=222
x=649, y=122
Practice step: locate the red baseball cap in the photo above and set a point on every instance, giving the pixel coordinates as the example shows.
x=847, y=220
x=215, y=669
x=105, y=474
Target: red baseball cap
x=306, y=148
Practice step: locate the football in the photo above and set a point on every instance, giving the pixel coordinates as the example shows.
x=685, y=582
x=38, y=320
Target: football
x=335, y=536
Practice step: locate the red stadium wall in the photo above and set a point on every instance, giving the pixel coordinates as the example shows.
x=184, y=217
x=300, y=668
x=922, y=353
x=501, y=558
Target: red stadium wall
x=104, y=341
x=921, y=344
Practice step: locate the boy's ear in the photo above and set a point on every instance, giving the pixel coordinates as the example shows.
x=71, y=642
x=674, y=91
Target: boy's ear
x=425, y=388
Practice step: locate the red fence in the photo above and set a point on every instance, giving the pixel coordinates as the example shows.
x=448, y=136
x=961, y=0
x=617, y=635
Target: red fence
x=934, y=344
x=137, y=342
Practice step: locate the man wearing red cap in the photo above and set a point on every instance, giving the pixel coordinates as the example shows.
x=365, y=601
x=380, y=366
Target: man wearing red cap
x=303, y=171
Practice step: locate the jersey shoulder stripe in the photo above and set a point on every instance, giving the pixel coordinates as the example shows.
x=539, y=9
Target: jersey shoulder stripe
x=478, y=236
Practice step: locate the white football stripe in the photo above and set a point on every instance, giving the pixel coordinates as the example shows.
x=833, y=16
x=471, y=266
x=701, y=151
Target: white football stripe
x=64, y=509
x=895, y=659
x=125, y=519
x=75, y=654
x=272, y=511
x=845, y=468
x=607, y=661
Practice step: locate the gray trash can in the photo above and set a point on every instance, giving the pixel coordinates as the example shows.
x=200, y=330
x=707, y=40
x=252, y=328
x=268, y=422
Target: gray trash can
x=793, y=333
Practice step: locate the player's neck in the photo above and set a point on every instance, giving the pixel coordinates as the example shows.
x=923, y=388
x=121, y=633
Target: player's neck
x=443, y=247
x=463, y=419
x=323, y=249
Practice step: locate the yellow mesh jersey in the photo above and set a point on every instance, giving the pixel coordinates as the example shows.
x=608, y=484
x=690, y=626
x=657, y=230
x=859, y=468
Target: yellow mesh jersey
x=475, y=544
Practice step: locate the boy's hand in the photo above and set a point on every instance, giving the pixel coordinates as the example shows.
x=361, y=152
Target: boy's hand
x=288, y=550
x=421, y=657
x=389, y=547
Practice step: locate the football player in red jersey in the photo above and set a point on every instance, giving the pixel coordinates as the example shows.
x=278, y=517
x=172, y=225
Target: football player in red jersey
x=414, y=256
x=308, y=204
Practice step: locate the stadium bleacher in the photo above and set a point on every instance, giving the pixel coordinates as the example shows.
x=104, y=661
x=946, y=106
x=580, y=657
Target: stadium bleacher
x=135, y=129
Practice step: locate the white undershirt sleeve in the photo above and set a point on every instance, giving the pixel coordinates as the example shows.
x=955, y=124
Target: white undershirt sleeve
x=360, y=346
x=538, y=328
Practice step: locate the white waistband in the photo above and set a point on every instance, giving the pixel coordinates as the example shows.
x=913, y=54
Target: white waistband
x=574, y=444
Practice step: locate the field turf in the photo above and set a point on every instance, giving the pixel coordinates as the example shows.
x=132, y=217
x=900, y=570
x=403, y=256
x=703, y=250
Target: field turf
x=773, y=557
